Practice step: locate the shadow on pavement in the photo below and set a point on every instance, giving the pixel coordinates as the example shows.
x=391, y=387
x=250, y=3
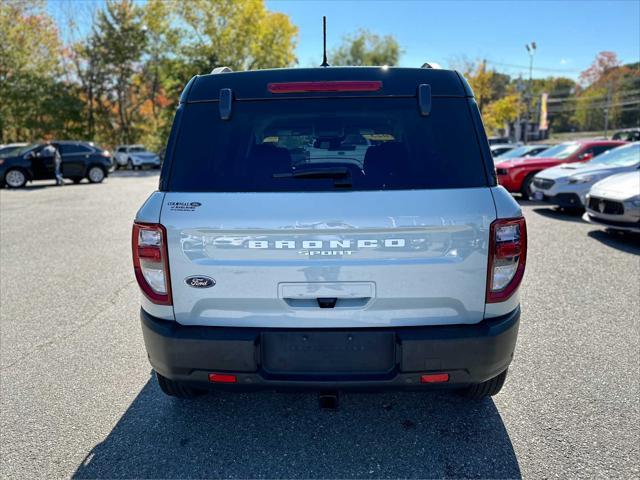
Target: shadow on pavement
x=135, y=173
x=286, y=435
x=42, y=184
x=529, y=203
x=556, y=214
x=627, y=242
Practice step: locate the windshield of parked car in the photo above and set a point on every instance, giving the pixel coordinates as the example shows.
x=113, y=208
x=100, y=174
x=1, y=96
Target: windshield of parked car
x=323, y=144
x=625, y=156
x=137, y=149
x=517, y=152
x=560, y=151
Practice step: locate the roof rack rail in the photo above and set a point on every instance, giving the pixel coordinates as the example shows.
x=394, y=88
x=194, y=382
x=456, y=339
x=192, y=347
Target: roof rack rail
x=221, y=70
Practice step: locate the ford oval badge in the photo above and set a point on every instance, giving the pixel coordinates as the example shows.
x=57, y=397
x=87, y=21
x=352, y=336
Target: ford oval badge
x=200, y=282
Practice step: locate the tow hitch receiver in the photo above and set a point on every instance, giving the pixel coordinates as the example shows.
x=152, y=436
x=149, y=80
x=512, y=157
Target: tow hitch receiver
x=328, y=400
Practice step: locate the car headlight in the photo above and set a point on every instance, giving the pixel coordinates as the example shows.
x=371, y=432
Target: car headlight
x=581, y=179
x=635, y=201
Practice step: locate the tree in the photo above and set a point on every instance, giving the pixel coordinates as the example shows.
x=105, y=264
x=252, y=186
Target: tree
x=240, y=34
x=501, y=112
x=187, y=39
x=117, y=44
x=30, y=50
x=365, y=48
x=609, y=95
x=603, y=63
x=487, y=85
x=562, y=97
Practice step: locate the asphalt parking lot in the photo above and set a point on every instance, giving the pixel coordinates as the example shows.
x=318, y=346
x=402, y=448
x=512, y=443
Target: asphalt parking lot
x=77, y=398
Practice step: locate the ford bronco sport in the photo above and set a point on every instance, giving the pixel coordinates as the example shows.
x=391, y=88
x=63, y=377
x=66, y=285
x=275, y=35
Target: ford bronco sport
x=329, y=229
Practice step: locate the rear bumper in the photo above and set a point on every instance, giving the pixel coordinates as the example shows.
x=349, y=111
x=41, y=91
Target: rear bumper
x=276, y=358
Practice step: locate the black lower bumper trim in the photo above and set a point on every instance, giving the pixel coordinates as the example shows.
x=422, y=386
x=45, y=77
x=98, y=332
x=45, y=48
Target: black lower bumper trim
x=366, y=358
x=565, y=200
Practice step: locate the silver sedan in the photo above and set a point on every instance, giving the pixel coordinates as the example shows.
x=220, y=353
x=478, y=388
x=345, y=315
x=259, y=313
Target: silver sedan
x=615, y=202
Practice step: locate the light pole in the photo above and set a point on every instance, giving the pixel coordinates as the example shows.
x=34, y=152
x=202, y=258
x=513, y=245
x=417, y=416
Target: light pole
x=531, y=49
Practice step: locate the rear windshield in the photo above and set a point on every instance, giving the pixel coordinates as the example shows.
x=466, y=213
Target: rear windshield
x=326, y=144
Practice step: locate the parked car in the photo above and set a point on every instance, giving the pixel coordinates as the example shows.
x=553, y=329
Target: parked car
x=614, y=203
x=79, y=160
x=524, y=151
x=399, y=270
x=516, y=175
x=502, y=148
x=498, y=140
x=135, y=157
x=628, y=134
x=10, y=148
x=567, y=185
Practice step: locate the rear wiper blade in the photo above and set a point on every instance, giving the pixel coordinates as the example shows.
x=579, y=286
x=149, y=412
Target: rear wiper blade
x=336, y=173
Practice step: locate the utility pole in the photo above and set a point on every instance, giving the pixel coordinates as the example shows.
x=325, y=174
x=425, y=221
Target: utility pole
x=607, y=109
x=519, y=89
x=531, y=49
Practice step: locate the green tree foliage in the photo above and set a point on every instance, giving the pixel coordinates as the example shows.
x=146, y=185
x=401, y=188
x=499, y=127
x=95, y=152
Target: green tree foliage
x=34, y=99
x=116, y=46
x=562, y=93
x=122, y=82
x=502, y=111
x=495, y=94
x=610, y=89
x=366, y=48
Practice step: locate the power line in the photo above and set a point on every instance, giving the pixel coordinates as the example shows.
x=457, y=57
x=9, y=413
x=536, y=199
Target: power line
x=623, y=94
x=541, y=69
x=595, y=106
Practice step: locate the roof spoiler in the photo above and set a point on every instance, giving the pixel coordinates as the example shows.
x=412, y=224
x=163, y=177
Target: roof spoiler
x=221, y=70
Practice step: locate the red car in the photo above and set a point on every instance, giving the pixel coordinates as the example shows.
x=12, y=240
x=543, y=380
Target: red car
x=516, y=174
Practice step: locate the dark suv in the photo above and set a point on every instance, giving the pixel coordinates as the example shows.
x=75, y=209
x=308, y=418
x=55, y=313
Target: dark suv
x=79, y=160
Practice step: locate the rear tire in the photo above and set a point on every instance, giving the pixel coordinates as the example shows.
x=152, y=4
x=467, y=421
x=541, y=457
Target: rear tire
x=96, y=174
x=177, y=389
x=526, y=186
x=485, y=389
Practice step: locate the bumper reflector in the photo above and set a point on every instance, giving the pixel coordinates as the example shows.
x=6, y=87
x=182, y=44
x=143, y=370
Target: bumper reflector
x=434, y=378
x=222, y=378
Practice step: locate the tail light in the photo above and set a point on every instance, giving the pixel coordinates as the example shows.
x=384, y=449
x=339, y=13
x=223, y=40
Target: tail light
x=151, y=262
x=507, y=257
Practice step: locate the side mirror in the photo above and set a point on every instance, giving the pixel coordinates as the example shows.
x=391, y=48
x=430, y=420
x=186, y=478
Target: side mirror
x=586, y=156
x=30, y=155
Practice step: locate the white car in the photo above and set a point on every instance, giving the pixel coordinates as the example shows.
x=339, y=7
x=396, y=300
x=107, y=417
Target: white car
x=136, y=157
x=615, y=202
x=567, y=185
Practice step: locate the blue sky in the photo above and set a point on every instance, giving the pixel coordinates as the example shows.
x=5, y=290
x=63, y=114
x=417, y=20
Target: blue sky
x=568, y=33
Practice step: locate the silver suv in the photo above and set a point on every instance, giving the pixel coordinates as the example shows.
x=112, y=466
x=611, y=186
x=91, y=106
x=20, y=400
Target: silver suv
x=329, y=229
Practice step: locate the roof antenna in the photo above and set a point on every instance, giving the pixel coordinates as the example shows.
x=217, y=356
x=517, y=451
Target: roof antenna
x=324, y=42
